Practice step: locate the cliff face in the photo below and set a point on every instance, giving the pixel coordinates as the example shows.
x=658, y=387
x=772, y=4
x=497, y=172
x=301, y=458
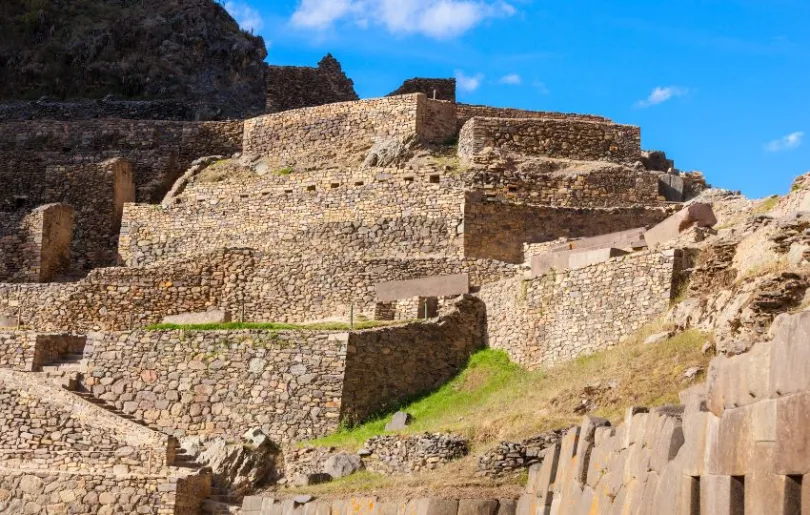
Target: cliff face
x=189, y=50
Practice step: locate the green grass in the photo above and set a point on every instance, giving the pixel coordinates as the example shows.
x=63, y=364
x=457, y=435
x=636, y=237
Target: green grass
x=488, y=372
x=766, y=205
x=494, y=399
x=282, y=172
x=274, y=326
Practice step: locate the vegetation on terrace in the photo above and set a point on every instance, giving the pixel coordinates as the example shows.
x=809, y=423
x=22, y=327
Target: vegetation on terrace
x=494, y=400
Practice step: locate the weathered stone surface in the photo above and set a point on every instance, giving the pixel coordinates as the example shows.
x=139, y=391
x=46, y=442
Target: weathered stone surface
x=207, y=317
x=478, y=506
x=342, y=464
x=399, y=421
x=442, y=286
x=792, y=453
x=668, y=230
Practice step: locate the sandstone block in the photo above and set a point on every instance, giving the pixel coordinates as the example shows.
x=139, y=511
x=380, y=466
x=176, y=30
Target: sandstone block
x=399, y=421
x=668, y=230
x=547, y=474
x=438, y=286
x=207, y=317
x=591, y=257
x=730, y=447
x=507, y=506
x=792, y=452
x=721, y=495
x=790, y=359
x=477, y=507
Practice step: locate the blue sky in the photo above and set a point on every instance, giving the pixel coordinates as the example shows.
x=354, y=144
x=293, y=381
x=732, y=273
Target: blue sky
x=721, y=85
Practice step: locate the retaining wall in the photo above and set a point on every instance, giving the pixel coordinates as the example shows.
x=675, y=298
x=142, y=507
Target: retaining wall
x=559, y=316
x=556, y=138
x=36, y=246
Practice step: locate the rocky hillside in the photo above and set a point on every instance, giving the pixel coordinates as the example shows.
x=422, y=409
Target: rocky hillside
x=190, y=50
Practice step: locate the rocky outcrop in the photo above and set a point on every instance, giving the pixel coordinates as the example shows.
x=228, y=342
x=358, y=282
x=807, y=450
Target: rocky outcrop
x=293, y=87
x=190, y=50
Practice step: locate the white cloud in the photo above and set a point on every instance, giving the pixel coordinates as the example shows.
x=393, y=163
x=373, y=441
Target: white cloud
x=246, y=16
x=441, y=19
x=468, y=82
x=513, y=79
x=662, y=94
x=791, y=141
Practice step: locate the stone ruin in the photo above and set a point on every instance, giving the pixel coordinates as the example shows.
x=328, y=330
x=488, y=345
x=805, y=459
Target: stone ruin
x=547, y=235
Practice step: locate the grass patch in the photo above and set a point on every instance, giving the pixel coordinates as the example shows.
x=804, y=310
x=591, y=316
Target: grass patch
x=274, y=326
x=283, y=172
x=223, y=170
x=767, y=205
x=494, y=399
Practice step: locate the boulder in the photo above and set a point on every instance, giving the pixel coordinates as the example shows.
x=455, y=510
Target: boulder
x=399, y=421
x=312, y=479
x=215, y=316
x=342, y=465
x=657, y=338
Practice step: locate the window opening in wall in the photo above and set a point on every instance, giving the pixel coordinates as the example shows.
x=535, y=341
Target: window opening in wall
x=793, y=496
x=512, y=189
x=244, y=195
x=288, y=192
x=335, y=185
x=358, y=183
x=738, y=495
x=434, y=179
x=408, y=180
x=693, y=484
x=311, y=187
x=20, y=202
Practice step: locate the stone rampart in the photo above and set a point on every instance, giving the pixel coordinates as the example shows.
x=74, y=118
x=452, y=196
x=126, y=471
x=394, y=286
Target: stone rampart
x=294, y=87
x=498, y=230
x=556, y=138
x=559, y=316
x=293, y=289
x=464, y=112
x=340, y=133
x=36, y=246
x=158, y=150
x=356, y=215
x=608, y=187
x=293, y=384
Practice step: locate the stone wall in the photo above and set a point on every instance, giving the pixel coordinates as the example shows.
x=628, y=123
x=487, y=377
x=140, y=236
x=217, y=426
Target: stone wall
x=292, y=289
x=336, y=133
x=222, y=382
x=158, y=150
x=107, y=107
x=36, y=247
x=559, y=316
x=566, y=138
x=436, y=89
x=384, y=369
x=464, y=112
x=44, y=428
x=353, y=214
x=293, y=384
x=294, y=87
x=606, y=187
x=40, y=492
x=498, y=230
x=30, y=351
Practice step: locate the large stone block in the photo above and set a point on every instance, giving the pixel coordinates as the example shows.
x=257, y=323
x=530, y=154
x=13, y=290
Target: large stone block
x=692, y=455
x=592, y=257
x=764, y=490
x=792, y=452
x=790, y=358
x=730, y=447
x=740, y=380
x=620, y=239
x=215, y=316
x=438, y=286
x=547, y=474
x=721, y=495
x=668, y=230
x=477, y=507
